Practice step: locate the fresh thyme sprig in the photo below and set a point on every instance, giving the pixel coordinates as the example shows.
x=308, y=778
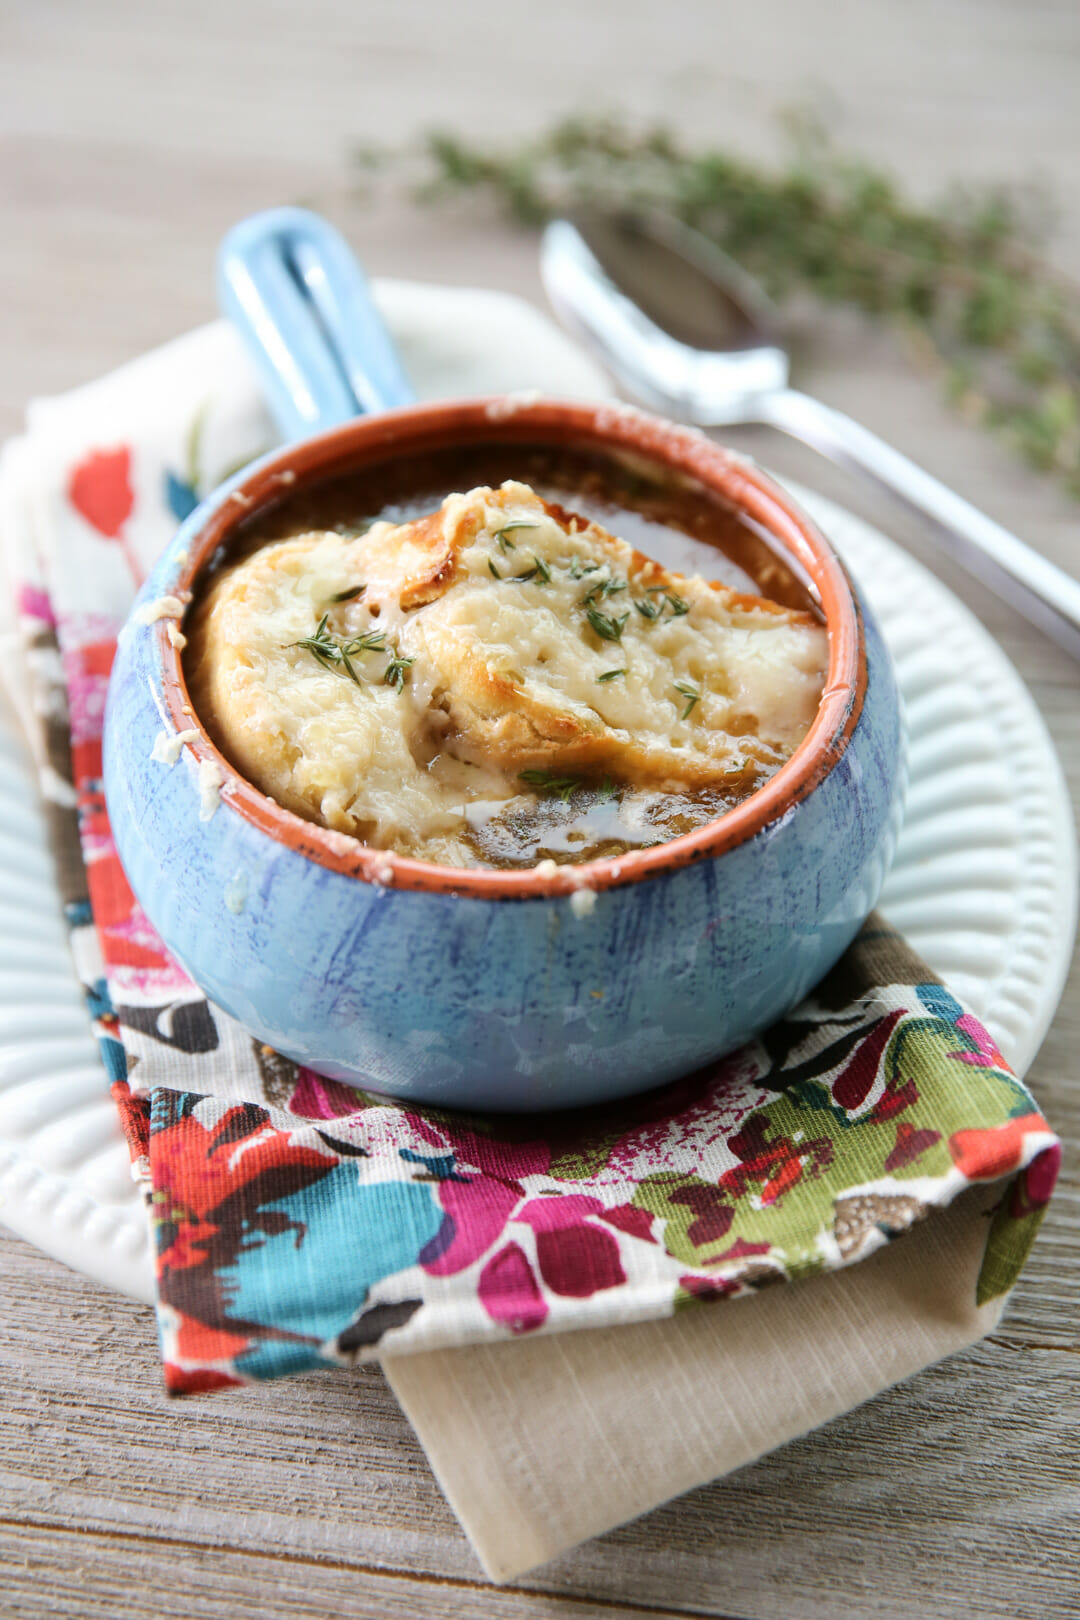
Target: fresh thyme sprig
x=506, y=545
x=678, y=606
x=603, y=588
x=963, y=280
x=691, y=694
x=396, y=670
x=579, y=569
x=652, y=610
x=562, y=786
x=335, y=652
x=609, y=675
x=539, y=571
x=607, y=626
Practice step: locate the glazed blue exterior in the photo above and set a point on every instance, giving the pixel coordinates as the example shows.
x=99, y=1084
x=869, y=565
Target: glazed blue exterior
x=515, y=1004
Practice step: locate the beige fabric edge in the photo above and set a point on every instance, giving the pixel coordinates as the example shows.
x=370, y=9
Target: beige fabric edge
x=541, y=1444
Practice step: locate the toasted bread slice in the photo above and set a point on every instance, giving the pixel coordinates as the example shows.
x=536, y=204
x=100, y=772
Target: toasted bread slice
x=553, y=645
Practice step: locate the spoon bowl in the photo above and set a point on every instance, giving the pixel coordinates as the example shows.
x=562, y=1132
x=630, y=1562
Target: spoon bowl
x=675, y=321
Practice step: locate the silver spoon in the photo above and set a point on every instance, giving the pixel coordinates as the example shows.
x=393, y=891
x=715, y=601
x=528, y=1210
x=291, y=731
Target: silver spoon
x=685, y=331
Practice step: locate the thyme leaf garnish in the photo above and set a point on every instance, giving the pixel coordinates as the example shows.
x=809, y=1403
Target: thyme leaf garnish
x=579, y=569
x=349, y=595
x=396, y=670
x=562, y=786
x=539, y=571
x=609, y=675
x=492, y=570
x=651, y=610
x=607, y=626
x=603, y=588
x=336, y=653
x=691, y=694
x=500, y=534
x=606, y=790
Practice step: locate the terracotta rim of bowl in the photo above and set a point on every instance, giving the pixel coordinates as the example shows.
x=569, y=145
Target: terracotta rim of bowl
x=508, y=419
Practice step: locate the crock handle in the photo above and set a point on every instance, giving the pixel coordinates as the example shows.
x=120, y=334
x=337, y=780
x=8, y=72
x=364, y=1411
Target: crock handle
x=291, y=285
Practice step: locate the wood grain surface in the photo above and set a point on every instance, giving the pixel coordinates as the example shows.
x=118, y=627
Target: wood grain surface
x=131, y=136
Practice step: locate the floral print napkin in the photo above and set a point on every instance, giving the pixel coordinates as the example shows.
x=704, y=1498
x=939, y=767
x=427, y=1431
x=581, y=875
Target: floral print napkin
x=300, y=1223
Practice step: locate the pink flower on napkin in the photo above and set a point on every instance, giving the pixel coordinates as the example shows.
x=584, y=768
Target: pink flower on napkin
x=986, y=1054
x=509, y=1291
x=575, y=1251
x=575, y=1256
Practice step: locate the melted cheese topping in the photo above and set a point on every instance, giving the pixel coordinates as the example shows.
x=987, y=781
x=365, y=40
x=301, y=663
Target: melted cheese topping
x=397, y=685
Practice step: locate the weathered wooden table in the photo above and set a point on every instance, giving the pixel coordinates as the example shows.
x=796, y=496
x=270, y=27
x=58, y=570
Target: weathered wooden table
x=130, y=137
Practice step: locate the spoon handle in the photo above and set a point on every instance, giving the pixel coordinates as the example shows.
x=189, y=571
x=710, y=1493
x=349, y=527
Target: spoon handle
x=1038, y=589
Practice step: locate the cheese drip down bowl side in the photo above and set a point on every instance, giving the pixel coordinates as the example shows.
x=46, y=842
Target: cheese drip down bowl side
x=502, y=990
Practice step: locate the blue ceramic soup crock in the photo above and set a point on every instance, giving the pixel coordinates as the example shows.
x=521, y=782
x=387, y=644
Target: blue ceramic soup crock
x=482, y=989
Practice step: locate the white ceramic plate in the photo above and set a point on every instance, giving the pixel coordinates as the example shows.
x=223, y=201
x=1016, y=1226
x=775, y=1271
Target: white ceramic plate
x=984, y=882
